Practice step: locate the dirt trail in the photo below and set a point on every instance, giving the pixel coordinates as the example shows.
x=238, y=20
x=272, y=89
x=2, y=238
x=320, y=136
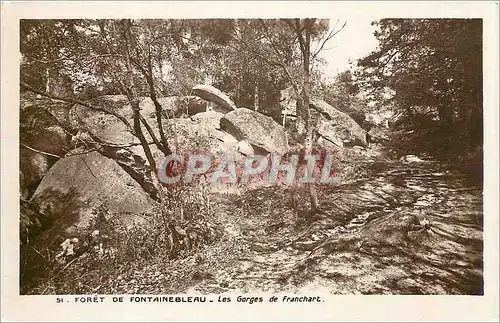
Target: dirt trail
x=409, y=229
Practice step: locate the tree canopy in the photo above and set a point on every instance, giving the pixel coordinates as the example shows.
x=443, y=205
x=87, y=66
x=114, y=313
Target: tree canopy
x=429, y=68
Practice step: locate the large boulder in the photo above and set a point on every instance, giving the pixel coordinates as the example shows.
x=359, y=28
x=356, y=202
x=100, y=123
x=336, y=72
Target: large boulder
x=211, y=118
x=261, y=131
x=331, y=135
x=199, y=133
x=76, y=186
x=334, y=125
x=108, y=128
x=104, y=126
x=212, y=94
x=335, y=128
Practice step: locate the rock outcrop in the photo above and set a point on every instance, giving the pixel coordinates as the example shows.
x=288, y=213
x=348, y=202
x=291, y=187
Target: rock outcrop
x=261, y=131
x=169, y=104
x=200, y=133
x=212, y=94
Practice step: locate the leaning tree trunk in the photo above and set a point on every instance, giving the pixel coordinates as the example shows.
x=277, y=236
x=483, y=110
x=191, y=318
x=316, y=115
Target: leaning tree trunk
x=134, y=102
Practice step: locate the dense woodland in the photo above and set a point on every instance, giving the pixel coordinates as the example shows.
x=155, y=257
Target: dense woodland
x=423, y=84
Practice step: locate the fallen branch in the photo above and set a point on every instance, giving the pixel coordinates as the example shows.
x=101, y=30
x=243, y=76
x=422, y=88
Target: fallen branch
x=112, y=145
x=39, y=151
x=82, y=153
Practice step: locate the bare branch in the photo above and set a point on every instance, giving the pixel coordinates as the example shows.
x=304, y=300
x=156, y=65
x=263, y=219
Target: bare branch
x=389, y=59
x=108, y=144
x=330, y=35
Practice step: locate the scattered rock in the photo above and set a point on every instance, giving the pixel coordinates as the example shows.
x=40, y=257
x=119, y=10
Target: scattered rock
x=335, y=128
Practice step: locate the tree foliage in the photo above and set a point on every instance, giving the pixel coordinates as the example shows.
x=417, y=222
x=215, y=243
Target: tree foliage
x=434, y=69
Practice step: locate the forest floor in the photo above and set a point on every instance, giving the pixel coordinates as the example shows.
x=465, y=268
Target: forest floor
x=407, y=228
x=365, y=242
x=412, y=228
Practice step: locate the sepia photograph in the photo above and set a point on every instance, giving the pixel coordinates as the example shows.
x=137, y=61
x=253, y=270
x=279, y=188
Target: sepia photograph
x=199, y=160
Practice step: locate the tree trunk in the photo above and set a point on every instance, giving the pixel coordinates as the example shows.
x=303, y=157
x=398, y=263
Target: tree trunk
x=256, y=99
x=134, y=100
x=305, y=98
x=301, y=118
